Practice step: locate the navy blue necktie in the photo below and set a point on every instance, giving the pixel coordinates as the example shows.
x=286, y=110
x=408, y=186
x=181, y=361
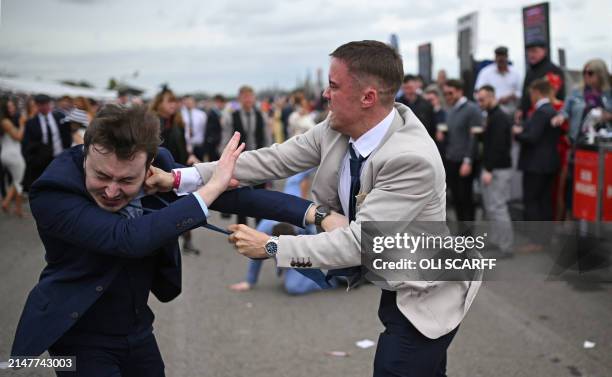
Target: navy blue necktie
x=353, y=274
x=355, y=163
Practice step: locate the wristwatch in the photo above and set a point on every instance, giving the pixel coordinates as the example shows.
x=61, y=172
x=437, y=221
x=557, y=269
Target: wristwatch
x=271, y=246
x=321, y=212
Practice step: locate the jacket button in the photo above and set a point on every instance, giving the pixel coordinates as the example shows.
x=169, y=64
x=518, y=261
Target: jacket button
x=74, y=315
x=99, y=288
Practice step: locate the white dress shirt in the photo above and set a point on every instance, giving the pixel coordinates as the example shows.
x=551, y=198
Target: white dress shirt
x=541, y=102
x=504, y=83
x=195, y=126
x=364, y=147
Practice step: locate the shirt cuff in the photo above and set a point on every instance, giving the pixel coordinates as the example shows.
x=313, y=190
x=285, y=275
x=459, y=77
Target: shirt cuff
x=191, y=180
x=202, y=204
x=304, y=225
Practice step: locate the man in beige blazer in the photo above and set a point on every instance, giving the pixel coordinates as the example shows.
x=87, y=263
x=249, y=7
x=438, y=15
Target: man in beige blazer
x=401, y=179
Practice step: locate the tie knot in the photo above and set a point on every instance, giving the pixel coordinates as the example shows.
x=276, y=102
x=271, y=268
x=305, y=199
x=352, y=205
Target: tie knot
x=355, y=161
x=354, y=154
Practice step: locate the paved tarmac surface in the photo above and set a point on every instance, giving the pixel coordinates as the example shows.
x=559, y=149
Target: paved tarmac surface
x=513, y=328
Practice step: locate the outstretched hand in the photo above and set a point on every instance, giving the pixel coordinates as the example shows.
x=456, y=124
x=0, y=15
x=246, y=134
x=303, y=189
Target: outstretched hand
x=226, y=164
x=222, y=177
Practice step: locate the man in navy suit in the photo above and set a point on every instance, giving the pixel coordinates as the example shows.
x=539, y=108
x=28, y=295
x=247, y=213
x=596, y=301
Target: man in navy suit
x=108, y=244
x=45, y=137
x=539, y=158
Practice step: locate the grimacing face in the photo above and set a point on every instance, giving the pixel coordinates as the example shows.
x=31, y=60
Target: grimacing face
x=113, y=182
x=343, y=96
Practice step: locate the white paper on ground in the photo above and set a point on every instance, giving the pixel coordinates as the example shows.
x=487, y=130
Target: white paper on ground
x=365, y=343
x=589, y=344
x=337, y=353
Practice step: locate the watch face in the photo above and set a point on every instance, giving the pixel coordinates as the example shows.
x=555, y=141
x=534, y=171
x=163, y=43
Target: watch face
x=321, y=212
x=271, y=248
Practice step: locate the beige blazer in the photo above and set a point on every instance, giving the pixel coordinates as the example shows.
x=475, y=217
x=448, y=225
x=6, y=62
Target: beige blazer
x=403, y=180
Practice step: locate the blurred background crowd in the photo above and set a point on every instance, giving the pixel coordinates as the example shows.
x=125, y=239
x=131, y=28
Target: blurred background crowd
x=508, y=139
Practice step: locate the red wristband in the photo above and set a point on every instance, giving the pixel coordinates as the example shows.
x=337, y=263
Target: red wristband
x=176, y=174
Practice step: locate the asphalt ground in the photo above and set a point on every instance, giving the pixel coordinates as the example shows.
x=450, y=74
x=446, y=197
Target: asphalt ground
x=514, y=328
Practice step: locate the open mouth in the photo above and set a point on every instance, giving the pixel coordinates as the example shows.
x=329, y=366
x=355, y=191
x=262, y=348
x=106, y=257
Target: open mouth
x=110, y=202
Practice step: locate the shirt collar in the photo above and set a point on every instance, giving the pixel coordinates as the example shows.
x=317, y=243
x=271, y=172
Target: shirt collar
x=460, y=102
x=541, y=102
x=371, y=139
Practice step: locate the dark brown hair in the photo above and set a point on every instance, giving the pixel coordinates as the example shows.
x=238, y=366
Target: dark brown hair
x=487, y=88
x=124, y=131
x=176, y=118
x=454, y=83
x=542, y=86
x=374, y=59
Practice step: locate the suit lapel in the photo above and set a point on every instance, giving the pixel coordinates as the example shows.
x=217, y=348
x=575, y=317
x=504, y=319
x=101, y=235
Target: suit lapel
x=325, y=190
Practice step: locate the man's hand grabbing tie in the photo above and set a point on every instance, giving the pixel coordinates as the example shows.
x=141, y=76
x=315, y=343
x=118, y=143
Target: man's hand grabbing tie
x=248, y=241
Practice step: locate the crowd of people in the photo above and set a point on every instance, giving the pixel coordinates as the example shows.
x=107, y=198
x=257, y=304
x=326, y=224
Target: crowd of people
x=476, y=138
x=448, y=143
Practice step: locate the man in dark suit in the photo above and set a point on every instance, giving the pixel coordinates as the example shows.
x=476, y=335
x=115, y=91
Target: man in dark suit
x=419, y=105
x=45, y=137
x=539, y=66
x=213, y=129
x=539, y=159
x=108, y=245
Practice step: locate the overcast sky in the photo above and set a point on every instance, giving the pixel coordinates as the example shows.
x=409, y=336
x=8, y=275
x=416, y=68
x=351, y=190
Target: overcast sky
x=216, y=46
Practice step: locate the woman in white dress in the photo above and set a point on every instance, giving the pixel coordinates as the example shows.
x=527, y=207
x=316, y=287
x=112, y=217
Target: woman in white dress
x=11, y=157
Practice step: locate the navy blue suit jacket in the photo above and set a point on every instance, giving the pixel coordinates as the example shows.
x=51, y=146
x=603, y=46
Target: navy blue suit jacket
x=539, y=143
x=86, y=246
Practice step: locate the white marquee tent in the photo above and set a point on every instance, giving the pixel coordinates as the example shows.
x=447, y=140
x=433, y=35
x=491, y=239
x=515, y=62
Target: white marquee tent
x=53, y=89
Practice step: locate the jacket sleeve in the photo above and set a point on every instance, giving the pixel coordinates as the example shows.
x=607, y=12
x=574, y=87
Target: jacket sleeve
x=534, y=128
x=27, y=136
x=475, y=120
x=78, y=220
x=265, y=204
x=278, y=161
